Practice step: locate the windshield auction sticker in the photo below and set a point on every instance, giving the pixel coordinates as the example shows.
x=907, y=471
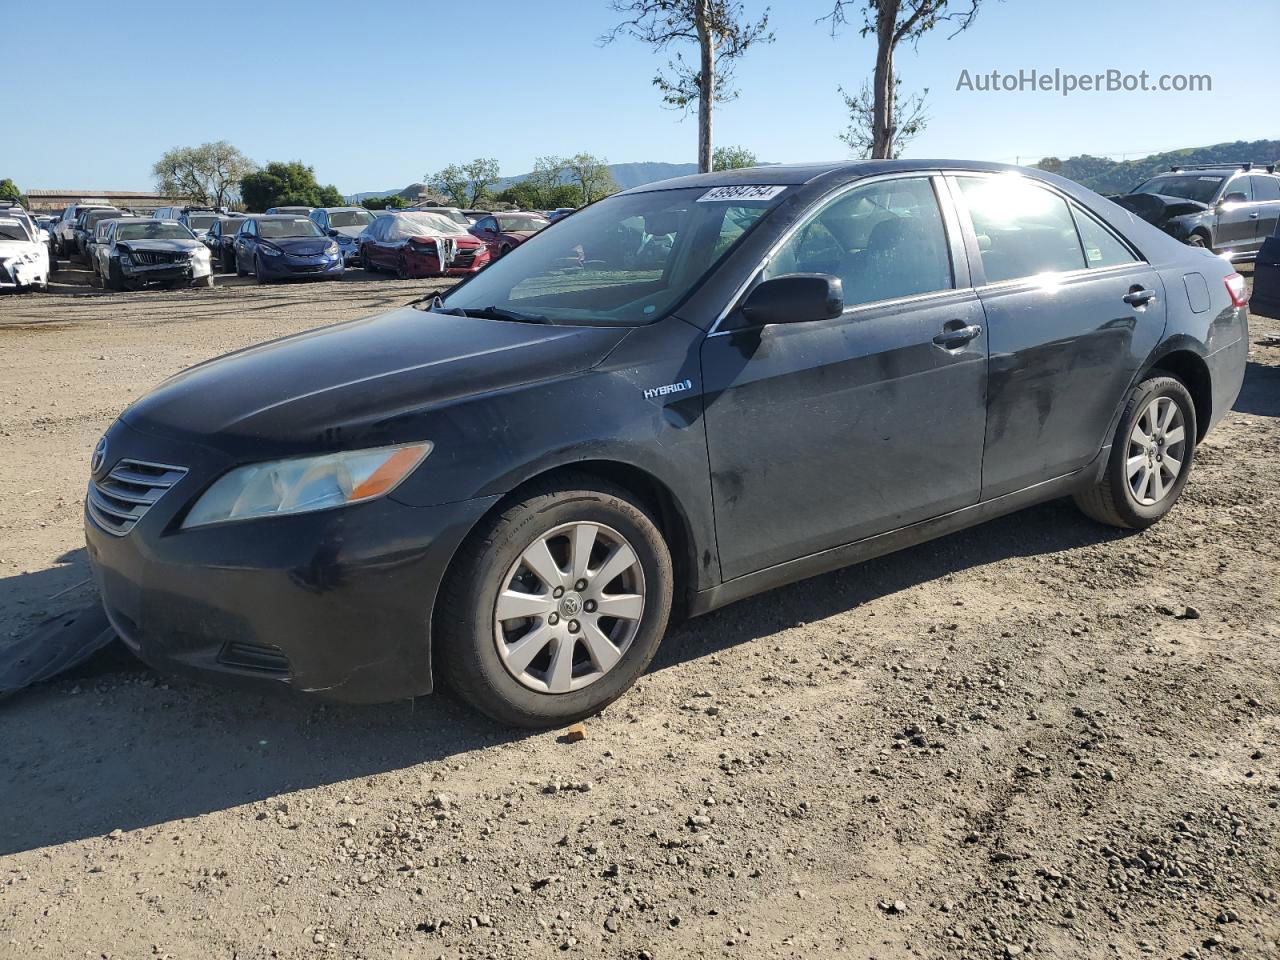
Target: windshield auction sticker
x=741, y=191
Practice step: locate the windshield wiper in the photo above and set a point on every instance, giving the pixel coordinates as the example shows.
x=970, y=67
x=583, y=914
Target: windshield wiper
x=489, y=313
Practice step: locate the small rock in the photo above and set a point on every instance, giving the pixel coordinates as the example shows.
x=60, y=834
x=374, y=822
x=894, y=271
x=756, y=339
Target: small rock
x=576, y=733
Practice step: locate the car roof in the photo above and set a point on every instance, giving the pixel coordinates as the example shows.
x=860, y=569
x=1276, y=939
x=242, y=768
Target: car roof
x=336, y=209
x=274, y=216
x=796, y=174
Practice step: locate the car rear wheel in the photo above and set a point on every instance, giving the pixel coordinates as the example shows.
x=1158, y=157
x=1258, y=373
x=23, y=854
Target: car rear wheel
x=1151, y=457
x=555, y=605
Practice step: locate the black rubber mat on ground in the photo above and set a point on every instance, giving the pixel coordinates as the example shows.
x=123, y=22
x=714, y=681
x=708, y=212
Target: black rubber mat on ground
x=54, y=646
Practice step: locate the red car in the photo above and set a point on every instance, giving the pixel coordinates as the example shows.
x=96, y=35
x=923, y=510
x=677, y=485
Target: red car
x=502, y=231
x=416, y=244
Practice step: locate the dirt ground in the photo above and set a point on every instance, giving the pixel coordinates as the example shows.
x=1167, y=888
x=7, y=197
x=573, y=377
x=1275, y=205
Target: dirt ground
x=1040, y=737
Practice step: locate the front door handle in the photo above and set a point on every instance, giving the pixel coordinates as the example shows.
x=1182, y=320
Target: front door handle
x=1253, y=216
x=956, y=334
x=1138, y=297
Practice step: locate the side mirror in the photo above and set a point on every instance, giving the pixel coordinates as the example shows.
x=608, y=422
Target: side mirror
x=1235, y=198
x=333, y=232
x=797, y=298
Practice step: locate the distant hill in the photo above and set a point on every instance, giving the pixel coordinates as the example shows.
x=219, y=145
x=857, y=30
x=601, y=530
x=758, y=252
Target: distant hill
x=626, y=175
x=1110, y=176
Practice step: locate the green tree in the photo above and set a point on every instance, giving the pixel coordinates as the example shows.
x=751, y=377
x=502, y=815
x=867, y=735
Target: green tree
x=591, y=175
x=909, y=120
x=467, y=184
x=394, y=201
x=732, y=158
x=286, y=184
x=10, y=189
x=208, y=173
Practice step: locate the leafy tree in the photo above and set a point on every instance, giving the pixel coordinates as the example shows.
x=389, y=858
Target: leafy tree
x=10, y=189
x=465, y=184
x=286, y=184
x=591, y=175
x=722, y=34
x=911, y=119
x=732, y=158
x=208, y=173
x=394, y=201
x=891, y=22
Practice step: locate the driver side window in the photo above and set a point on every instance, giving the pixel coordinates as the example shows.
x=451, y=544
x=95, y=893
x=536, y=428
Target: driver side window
x=884, y=241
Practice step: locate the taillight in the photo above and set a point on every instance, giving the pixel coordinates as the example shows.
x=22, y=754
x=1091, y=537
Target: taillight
x=1238, y=291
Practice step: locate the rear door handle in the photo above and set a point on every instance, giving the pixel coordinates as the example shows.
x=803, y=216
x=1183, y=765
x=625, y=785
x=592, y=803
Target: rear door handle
x=1139, y=297
x=955, y=336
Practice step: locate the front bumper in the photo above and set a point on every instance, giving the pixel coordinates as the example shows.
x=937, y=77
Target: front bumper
x=428, y=265
x=287, y=265
x=168, y=272
x=336, y=602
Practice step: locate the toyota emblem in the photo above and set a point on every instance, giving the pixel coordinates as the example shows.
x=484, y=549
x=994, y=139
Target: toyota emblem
x=99, y=456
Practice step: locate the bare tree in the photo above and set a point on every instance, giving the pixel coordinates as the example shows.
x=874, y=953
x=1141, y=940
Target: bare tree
x=721, y=31
x=910, y=118
x=892, y=22
x=208, y=173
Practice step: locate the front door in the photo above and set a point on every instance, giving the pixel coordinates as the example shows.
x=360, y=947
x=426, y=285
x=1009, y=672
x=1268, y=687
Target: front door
x=821, y=434
x=1237, y=220
x=1071, y=313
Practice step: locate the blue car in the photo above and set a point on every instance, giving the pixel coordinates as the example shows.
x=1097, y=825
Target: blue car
x=279, y=247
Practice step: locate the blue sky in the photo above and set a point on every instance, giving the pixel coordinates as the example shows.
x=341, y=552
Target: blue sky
x=375, y=94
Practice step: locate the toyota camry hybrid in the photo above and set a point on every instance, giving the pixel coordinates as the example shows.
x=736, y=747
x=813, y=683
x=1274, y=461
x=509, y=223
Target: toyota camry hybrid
x=680, y=396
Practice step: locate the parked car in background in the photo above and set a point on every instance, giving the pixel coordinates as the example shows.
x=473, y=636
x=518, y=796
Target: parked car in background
x=24, y=259
x=1265, y=300
x=513, y=490
x=559, y=213
x=220, y=239
x=64, y=229
x=281, y=247
x=453, y=213
x=100, y=233
x=502, y=232
x=291, y=211
x=413, y=243
x=343, y=224
x=475, y=215
x=198, y=220
x=86, y=223
x=139, y=251
x=1227, y=208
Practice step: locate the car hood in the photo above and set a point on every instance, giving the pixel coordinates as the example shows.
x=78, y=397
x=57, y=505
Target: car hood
x=302, y=246
x=16, y=248
x=1157, y=208
x=327, y=388
x=171, y=246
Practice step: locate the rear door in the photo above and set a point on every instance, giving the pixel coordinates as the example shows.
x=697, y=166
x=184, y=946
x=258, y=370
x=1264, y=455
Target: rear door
x=1266, y=204
x=1071, y=312
x=821, y=434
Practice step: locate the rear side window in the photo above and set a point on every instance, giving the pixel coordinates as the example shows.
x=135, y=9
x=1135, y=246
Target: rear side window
x=884, y=241
x=1266, y=188
x=1022, y=230
x=1101, y=248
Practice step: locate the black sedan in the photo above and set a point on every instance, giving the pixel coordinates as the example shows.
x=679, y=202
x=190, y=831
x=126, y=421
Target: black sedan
x=678, y=397
x=220, y=238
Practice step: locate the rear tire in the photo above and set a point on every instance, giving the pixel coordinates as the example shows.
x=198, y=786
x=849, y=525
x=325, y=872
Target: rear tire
x=1137, y=467
x=228, y=261
x=477, y=652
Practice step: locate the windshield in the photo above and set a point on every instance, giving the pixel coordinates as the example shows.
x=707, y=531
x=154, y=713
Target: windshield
x=512, y=224
x=276, y=229
x=201, y=221
x=1199, y=188
x=14, y=230
x=152, y=230
x=626, y=260
x=350, y=218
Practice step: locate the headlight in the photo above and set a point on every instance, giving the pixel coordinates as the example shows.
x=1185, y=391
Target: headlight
x=126, y=260
x=303, y=484
x=269, y=251
x=331, y=249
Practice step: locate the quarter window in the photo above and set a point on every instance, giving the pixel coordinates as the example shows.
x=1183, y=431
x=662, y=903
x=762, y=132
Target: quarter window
x=884, y=241
x=1022, y=230
x=1101, y=248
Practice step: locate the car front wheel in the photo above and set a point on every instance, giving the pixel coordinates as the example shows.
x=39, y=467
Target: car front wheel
x=555, y=605
x=1150, y=458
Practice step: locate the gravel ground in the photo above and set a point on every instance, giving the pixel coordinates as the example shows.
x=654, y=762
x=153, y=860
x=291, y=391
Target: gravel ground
x=1040, y=737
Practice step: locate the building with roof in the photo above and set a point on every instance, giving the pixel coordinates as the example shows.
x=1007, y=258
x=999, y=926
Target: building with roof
x=142, y=201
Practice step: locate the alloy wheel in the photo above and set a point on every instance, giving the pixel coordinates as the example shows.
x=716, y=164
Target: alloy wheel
x=569, y=607
x=1157, y=451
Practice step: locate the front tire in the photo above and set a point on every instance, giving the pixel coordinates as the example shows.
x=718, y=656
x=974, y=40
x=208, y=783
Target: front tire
x=1151, y=457
x=555, y=605
x=257, y=270
x=367, y=262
